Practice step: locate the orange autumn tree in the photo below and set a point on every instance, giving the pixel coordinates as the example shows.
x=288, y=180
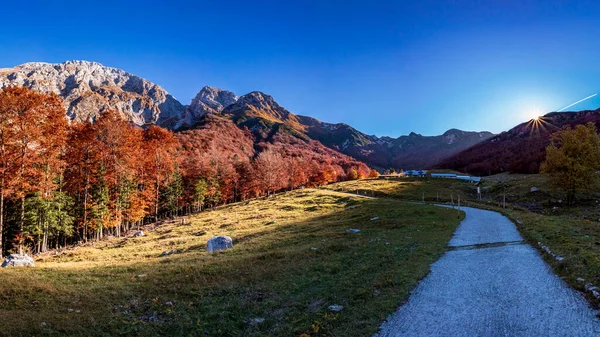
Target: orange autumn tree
x=120, y=151
x=82, y=156
x=160, y=151
x=33, y=135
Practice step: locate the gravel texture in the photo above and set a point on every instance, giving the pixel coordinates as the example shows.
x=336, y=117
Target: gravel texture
x=493, y=290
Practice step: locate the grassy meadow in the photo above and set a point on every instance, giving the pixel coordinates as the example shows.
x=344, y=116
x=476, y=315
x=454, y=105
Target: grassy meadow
x=571, y=232
x=292, y=258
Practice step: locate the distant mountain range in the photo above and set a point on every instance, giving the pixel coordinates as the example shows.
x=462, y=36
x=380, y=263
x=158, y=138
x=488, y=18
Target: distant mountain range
x=90, y=88
x=518, y=150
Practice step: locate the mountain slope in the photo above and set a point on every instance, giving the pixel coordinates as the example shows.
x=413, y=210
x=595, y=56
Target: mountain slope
x=89, y=88
x=260, y=113
x=519, y=150
x=405, y=152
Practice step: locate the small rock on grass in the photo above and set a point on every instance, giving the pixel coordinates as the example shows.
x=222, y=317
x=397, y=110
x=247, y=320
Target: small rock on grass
x=375, y=218
x=255, y=321
x=579, y=279
x=335, y=308
x=138, y=233
x=16, y=260
x=219, y=243
x=353, y=230
x=313, y=248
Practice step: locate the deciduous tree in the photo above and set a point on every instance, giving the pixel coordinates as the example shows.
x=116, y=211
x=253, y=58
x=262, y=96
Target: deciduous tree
x=573, y=159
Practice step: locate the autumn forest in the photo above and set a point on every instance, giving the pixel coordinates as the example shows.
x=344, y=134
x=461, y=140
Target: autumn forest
x=64, y=182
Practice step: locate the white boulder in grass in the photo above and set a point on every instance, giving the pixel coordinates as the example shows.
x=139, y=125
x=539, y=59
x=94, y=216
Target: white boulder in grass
x=217, y=243
x=16, y=260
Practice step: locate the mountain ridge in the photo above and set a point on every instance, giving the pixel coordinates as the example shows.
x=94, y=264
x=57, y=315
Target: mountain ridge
x=520, y=149
x=89, y=88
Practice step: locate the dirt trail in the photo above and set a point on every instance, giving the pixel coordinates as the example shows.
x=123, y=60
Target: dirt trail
x=491, y=283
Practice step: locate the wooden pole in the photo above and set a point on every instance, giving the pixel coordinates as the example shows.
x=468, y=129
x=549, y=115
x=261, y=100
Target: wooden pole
x=458, y=215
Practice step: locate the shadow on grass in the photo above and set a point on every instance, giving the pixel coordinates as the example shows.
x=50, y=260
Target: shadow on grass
x=287, y=274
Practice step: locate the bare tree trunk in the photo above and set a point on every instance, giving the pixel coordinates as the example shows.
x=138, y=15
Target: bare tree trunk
x=21, y=224
x=1, y=216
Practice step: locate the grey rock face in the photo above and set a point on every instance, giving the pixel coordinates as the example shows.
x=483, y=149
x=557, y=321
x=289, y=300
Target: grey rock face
x=138, y=233
x=208, y=100
x=219, y=243
x=89, y=88
x=16, y=260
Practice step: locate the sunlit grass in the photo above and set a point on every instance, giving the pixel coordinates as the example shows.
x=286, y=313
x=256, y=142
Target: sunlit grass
x=125, y=286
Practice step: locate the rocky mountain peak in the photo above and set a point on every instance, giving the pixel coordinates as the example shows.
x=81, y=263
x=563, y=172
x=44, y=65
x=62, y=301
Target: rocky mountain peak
x=259, y=104
x=258, y=100
x=208, y=100
x=217, y=99
x=89, y=88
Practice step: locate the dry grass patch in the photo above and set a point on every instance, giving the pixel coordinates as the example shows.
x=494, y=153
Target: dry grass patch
x=124, y=285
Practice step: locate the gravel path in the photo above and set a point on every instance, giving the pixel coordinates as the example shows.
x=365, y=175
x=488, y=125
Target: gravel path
x=505, y=290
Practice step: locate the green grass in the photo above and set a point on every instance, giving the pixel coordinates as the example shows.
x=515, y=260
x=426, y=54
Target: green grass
x=272, y=272
x=572, y=232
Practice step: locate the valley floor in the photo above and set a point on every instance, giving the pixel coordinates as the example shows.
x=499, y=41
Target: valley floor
x=292, y=259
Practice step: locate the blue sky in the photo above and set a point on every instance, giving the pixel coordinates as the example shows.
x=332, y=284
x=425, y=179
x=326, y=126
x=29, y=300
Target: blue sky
x=384, y=67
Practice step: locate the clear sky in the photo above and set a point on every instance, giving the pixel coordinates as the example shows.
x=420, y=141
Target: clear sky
x=384, y=67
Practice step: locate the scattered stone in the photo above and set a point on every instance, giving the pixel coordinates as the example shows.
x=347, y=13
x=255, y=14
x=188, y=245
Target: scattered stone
x=376, y=292
x=579, y=279
x=174, y=251
x=141, y=276
x=138, y=233
x=313, y=248
x=335, y=308
x=595, y=293
x=200, y=233
x=43, y=324
x=534, y=189
x=587, y=286
x=560, y=201
x=70, y=310
x=77, y=311
x=169, y=303
x=387, y=243
x=165, y=253
x=559, y=258
x=270, y=223
x=16, y=260
x=353, y=230
x=351, y=207
x=375, y=218
x=217, y=243
x=255, y=321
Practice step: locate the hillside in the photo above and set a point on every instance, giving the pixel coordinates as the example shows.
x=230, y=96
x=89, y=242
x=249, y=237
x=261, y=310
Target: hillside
x=89, y=89
x=405, y=152
x=291, y=259
x=519, y=150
